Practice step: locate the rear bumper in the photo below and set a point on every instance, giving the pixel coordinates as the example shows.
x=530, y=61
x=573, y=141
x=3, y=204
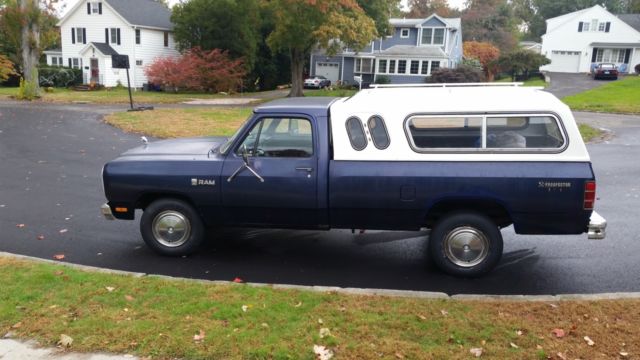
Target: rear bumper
x=105, y=209
x=597, y=227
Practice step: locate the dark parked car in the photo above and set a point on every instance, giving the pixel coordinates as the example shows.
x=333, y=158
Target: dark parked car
x=605, y=71
x=317, y=82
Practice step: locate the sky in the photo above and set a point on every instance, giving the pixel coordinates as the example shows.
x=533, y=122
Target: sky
x=67, y=4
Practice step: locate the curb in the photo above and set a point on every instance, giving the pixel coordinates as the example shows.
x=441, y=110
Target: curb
x=349, y=291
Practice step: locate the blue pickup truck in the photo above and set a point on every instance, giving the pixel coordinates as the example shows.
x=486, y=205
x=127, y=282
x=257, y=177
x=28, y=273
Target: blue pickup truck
x=461, y=160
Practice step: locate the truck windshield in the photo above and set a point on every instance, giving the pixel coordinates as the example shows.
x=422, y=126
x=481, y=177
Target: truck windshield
x=225, y=147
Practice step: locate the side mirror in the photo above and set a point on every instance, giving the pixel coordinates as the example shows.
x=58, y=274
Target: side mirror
x=245, y=154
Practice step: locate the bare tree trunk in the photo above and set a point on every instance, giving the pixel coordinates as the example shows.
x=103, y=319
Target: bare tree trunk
x=30, y=42
x=297, y=67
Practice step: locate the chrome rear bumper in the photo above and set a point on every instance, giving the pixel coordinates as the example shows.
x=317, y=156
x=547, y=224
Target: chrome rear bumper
x=597, y=226
x=105, y=209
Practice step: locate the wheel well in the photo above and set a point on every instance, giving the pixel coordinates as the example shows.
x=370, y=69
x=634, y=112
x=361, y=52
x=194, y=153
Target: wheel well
x=490, y=208
x=147, y=199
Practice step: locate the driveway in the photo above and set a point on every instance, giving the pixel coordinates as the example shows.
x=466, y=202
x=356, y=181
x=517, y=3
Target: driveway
x=50, y=161
x=565, y=84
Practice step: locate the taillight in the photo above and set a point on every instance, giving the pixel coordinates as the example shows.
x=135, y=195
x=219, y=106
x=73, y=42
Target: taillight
x=589, y=195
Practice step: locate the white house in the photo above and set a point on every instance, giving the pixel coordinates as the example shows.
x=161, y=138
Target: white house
x=94, y=30
x=575, y=42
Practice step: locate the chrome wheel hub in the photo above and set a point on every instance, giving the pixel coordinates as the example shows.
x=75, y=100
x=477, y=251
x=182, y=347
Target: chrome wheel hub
x=466, y=246
x=171, y=228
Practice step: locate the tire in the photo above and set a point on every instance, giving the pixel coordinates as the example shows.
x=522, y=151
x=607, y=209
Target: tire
x=172, y=227
x=465, y=244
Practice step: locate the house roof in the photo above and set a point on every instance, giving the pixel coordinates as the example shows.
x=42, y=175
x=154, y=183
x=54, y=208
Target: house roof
x=53, y=51
x=403, y=22
x=145, y=13
x=632, y=20
x=141, y=13
x=103, y=48
x=412, y=50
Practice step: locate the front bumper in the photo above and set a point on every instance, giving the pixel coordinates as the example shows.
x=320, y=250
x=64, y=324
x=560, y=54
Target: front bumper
x=105, y=209
x=597, y=227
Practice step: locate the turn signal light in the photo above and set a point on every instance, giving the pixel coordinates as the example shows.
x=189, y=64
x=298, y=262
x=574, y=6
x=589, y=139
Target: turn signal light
x=589, y=195
x=121, y=209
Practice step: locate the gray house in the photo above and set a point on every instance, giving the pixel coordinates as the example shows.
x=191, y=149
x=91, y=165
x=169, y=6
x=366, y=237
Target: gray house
x=416, y=48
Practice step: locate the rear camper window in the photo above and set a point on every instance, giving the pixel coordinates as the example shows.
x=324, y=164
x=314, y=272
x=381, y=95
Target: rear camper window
x=356, y=133
x=485, y=133
x=378, y=132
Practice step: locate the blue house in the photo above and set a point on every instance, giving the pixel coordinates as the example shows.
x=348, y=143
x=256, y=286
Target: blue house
x=415, y=49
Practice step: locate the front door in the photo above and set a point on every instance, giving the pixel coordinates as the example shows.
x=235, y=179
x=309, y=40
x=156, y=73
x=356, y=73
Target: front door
x=95, y=71
x=280, y=186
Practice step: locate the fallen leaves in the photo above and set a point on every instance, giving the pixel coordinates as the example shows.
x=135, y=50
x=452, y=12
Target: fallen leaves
x=58, y=256
x=199, y=336
x=322, y=353
x=238, y=280
x=65, y=341
x=20, y=226
x=245, y=308
x=324, y=332
x=129, y=298
x=559, y=333
x=62, y=231
x=110, y=288
x=514, y=346
x=477, y=352
x=589, y=341
x=40, y=237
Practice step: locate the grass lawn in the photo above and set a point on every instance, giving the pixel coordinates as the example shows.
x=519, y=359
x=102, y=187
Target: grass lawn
x=588, y=132
x=332, y=93
x=114, y=96
x=621, y=96
x=184, y=122
x=155, y=317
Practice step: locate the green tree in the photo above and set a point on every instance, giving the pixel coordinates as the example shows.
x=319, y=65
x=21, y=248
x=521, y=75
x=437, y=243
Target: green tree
x=380, y=11
x=331, y=24
x=231, y=25
x=424, y=8
x=490, y=21
x=521, y=61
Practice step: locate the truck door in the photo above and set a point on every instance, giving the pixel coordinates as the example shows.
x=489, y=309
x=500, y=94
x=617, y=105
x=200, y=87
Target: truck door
x=270, y=176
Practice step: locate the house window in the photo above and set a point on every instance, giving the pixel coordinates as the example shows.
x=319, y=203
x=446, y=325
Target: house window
x=54, y=61
x=166, y=39
x=432, y=36
x=402, y=66
x=76, y=63
x=424, y=68
x=80, y=32
x=435, y=65
x=602, y=26
x=594, y=25
x=137, y=36
x=599, y=55
x=138, y=62
x=382, y=66
x=404, y=33
x=392, y=66
x=621, y=55
x=585, y=26
x=114, y=35
x=95, y=8
x=364, y=65
x=415, y=66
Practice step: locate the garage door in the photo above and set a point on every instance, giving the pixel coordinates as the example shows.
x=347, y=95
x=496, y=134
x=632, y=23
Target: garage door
x=565, y=61
x=330, y=70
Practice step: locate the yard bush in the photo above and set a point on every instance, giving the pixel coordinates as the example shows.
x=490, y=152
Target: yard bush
x=382, y=79
x=198, y=70
x=461, y=74
x=7, y=68
x=52, y=76
x=637, y=68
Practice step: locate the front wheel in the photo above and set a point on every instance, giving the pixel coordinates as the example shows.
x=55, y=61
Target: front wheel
x=172, y=227
x=465, y=244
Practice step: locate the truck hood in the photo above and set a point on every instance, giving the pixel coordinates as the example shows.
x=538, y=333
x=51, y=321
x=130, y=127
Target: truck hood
x=184, y=146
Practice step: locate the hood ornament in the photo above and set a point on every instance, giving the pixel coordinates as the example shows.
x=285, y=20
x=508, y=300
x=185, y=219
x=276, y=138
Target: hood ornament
x=144, y=140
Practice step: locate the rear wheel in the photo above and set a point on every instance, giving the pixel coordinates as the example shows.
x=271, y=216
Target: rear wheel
x=465, y=244
x=172, y=227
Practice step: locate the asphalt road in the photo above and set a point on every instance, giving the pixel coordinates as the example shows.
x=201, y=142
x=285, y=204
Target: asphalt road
x=50, y=162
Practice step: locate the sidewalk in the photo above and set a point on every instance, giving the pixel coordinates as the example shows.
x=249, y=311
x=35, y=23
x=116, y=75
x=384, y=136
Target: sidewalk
x=15, y=350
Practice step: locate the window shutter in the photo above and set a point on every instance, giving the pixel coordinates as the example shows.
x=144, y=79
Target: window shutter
x=100, y=8
x=73, y=35
x=627, y=55
x=89, y=8
x=580, y=26
x=594, y=55
x=84, y=35
x=70, y=62
x=106, y=35
x=118, y=36
x=607, y=27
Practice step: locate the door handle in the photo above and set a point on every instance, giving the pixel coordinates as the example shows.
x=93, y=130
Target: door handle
x=307, y=169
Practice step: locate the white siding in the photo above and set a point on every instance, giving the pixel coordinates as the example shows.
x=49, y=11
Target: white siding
x=562, y=35
x=151, y=47
x=152, y=44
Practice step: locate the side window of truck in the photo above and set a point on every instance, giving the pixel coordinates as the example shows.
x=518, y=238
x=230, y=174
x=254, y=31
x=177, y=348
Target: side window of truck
x=446, y=132
x=279, y=137
x=516, y=132
x=355, y=130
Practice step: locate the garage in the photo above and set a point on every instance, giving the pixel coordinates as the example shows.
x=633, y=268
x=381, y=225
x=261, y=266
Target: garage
x=330, y=70
x=565, y=61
